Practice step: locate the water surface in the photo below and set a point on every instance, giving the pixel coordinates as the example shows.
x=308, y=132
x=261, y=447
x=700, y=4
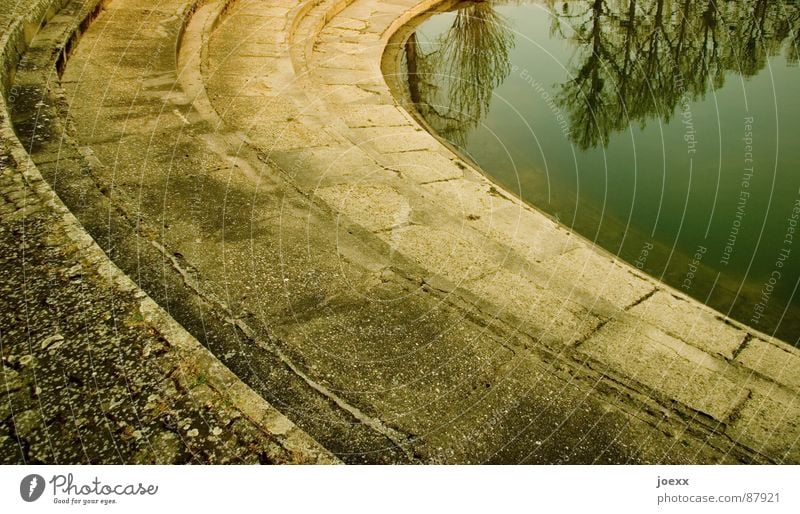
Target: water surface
x=668, y=132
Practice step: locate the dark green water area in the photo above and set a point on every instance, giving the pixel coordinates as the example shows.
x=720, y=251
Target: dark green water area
x=666, y=132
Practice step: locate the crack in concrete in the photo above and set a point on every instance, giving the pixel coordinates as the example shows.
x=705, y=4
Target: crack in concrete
x=439, y=181
x=642, y=299
x=736, y=410
x=581, y=340
x=745, y=341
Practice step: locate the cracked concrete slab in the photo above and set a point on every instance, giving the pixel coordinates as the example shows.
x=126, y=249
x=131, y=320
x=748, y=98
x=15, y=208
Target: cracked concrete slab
x=653, y=358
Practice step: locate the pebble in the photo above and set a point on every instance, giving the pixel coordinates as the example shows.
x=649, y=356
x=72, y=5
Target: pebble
x=53, y=341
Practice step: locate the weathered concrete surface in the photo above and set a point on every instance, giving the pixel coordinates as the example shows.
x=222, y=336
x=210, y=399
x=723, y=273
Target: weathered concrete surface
x=385, y=296
x=93, y=371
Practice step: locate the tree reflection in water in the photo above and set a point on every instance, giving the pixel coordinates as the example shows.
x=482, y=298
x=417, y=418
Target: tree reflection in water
x=452, y=84
x=634, y=60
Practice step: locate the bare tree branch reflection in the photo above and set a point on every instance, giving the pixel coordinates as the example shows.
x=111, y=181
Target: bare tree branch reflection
x=452, y=83
x=642, y=59
x=634, y=60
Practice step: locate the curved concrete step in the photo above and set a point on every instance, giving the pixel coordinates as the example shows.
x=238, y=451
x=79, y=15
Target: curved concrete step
x=370, y=162
x=384, y=295
x=93, y=370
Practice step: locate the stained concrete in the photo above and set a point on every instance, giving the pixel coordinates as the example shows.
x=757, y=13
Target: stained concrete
x=94, y=371
x=383, y=294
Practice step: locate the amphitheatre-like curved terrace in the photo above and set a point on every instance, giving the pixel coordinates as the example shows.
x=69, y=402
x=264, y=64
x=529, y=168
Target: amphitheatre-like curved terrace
x=247, y=166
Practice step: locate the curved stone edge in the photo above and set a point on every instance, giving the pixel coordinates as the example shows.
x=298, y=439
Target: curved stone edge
x=759, y=353
x=303, y=16
x=756, y=359
x=197, y=361
x=763, y=358
x=193, y=51
x=197, y=308
x=401, y=29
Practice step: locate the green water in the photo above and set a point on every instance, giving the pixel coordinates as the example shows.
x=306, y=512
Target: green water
x=666, y=132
